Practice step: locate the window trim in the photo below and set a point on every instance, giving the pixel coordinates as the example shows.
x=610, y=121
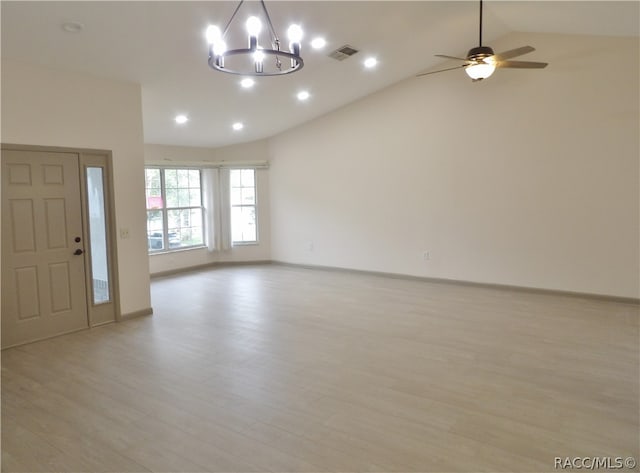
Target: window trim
x=165, y=209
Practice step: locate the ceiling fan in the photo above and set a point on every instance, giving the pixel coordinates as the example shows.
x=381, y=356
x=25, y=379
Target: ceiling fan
x=481, y=61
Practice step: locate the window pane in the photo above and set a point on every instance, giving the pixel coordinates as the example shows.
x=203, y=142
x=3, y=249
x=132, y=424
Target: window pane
x=185, y=228
x=183, y=197
x=235, y=177
x=172, y=197
x=174, y=238
x=194, y=178
x=243, y=224
x=152, y=178
x=170, y=178
x=183, y=178
x=154, y=230
x=236, y=198
x=246, y=177
x=152, y=188
x=195, y=198
x=98, y=235
x=248, y=196
x=196, y=234
x=173, y=220
x=153, y=201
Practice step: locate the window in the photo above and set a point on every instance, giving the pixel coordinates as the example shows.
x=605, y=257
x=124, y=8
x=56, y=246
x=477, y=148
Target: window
x=174, y=208
x=98, y=234
x=243, y=206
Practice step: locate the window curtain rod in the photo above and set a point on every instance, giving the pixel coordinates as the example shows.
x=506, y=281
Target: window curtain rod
x=170, y=163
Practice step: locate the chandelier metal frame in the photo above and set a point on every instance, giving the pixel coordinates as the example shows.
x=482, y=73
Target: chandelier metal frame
x=216, y=59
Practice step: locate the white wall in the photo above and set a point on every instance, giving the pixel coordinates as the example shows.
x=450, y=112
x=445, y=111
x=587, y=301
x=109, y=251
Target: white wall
x=244, y=153
x=528, y=179
x=48, y=107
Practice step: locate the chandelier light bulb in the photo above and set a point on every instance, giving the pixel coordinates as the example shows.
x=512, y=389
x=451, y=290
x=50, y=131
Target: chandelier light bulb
x=480, y=70
x=219, y=47
x=213, y=34
x=258, y=56
x=295, y=33
x=254, y=26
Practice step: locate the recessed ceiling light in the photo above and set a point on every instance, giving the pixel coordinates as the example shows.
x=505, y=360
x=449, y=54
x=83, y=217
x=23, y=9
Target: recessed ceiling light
x=318, y=43
x=370, y=62
x=181, y=119
x=237, y=126
x=72, y=27
x=247, y=83
x=303, y=95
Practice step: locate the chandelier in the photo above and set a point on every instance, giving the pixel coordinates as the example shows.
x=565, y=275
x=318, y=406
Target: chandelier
x=256, y=59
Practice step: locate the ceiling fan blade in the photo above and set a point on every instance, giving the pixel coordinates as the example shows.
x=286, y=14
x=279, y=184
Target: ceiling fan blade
x=513, y=53
x=523, y=64
x=441, y=70
x=451, y=57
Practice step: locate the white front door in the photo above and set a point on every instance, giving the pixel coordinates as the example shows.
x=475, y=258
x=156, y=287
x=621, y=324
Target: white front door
x=43, y=269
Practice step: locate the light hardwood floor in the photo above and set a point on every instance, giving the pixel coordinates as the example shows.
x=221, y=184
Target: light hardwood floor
x=274, y=368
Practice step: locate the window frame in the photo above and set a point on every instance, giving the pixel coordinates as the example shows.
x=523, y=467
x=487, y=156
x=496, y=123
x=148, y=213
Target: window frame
x=254, y=205
x=165, y=211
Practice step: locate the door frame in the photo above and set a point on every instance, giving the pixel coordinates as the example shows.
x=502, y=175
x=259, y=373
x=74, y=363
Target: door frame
x=86, y=157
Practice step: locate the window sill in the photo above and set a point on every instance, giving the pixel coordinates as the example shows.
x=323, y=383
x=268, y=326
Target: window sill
x=245, y=243
x=176, y=250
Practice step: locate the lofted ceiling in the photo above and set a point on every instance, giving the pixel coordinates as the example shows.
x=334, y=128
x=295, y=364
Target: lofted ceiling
x=161, y=45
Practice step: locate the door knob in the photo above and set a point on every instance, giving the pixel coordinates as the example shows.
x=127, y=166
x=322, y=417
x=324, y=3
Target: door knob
x=78, y=252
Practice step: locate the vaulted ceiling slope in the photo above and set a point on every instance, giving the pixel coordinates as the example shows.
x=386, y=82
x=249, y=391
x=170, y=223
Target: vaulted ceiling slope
x=161, y=45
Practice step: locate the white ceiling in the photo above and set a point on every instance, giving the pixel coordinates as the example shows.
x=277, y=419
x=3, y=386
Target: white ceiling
x=161, y=45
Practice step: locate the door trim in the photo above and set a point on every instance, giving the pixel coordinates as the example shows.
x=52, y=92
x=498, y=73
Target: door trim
x=110, y=218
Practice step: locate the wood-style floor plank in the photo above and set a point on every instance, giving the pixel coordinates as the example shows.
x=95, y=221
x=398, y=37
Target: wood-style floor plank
x=273, y=368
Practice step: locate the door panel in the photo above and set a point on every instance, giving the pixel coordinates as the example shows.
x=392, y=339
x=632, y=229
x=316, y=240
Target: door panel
x=23, y=222
x=59, y=276
x=43, y=281
x=56, y=223
x=27, y=292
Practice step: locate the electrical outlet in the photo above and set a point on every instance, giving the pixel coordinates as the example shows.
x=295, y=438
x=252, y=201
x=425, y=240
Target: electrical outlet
x=124, y=233
x=426, y=255
x=310, y=246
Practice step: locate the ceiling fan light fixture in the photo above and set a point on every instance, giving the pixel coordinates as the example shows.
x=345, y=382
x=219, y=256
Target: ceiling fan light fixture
x=480, y=70
x=481, y=61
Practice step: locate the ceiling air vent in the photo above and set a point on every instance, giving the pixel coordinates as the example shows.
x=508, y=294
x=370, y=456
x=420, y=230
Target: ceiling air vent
x=343, y=52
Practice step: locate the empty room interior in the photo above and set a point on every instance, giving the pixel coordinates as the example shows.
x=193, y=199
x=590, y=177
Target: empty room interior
x=320, y=236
